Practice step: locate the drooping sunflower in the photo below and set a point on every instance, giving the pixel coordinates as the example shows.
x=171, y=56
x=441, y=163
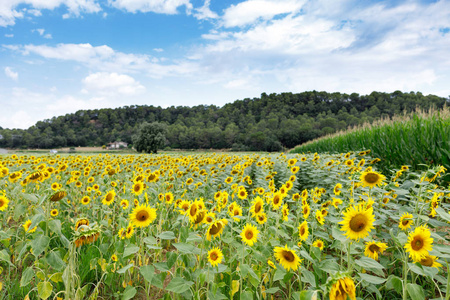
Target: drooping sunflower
x=287, y=258
x=216, y=228
x=303, y=231
x=57, y=196
x=142, y=215
x=406, y=221
x=3, y=203
x=358, y=222
x=215, y=256
x=257, y=206
x=343, y=288
x=249, y=234
x=373, y=248
x=371, y=178
x=109, y=198
x=138, y=188
x=430, y=261
x=81, y=222
x=419, y=243
x=54, y=212
x=318, y=244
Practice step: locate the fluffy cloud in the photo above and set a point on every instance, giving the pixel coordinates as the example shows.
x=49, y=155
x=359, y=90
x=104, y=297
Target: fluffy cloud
x=11, y=74
x=112, y=84
x=158, y=6
x=204, y=12
x=9, y=8
x=42, y=33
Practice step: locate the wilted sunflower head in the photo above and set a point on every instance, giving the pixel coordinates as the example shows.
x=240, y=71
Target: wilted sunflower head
x=57, y=196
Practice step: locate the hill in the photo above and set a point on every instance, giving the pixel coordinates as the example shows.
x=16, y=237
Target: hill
x=268, y=123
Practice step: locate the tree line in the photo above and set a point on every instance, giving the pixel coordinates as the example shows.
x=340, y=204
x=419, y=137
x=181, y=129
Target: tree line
x=267, y=123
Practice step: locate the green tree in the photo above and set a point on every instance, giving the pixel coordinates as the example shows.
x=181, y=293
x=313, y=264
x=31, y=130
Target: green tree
x=150, y=137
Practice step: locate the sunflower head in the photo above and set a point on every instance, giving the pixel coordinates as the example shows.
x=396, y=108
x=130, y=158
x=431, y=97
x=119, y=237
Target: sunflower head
x=287, y=258
x=215, y=256
x=303, y=231
x=343, y=288
x=371, y=178
x=57, y=196
x=430, y=261
x=318, y=244
x=358, y=222
x=419, y=243
x=249, y=234
x=406, y=221
x=374, y=248
x=142, y=215
x=3, y=202
x=215, y=229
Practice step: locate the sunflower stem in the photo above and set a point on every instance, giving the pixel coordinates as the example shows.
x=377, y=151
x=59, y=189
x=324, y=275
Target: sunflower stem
x=349, y=265
x=405, y=277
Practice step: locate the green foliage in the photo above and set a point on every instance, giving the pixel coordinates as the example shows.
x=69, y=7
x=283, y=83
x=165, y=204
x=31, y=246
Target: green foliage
x=150, y=137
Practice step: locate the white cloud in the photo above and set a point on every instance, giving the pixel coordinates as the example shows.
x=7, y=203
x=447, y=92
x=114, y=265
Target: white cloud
x=112, y=84
x=42, y=33
x=157, y=6
x=205, y=12
x=9, y=8
x=9, y=35
x=248, y=12
x=158, y=49
x=11, y=74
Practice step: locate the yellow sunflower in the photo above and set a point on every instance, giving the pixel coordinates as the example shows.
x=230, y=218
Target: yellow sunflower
x=85, y=200
x=277, y=200
x=287, y=258
x=343, y=288
x=216, y=228
x=168, y=197
x=261, y=218
x=124, y=203
x=419, y=243
x=406, y=221
x=215, y=256
x=138, y=188
x=306, y=209
x=257, y=206
x=3, y=203
x=303, y=231
x=271, y=264
x=249, y=234
x=109, y=198
x=26, y=226
x=57, y=196
x=430, y=261
x=130, y=231
x=54, y=212
x=142, y=215
x=358, y=222
x=371, y=178
x=373, y=248
x=114, y=257
x=318, y=243
x=337, y=189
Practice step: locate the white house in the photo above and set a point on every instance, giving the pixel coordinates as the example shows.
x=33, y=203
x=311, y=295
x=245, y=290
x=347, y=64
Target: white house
x=117, y=145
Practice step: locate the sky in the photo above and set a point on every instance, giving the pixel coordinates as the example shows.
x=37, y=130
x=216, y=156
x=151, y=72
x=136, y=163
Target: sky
x=60, y=56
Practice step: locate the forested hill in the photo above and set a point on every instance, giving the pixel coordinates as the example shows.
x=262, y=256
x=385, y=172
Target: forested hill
x=267, y=123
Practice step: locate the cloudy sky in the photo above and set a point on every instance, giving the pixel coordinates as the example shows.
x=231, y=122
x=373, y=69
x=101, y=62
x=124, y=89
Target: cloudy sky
x=59, y=56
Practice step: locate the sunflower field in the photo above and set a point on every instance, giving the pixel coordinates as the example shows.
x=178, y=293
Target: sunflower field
x=221, y=226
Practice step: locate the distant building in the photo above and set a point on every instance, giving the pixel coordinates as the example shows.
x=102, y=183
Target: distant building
x=117, y=145
x=53, y=151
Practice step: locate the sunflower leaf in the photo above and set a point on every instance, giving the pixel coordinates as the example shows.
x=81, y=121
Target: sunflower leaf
x=130, y=249
x=415, y=291
x=186, y=248
x=369, y=263
x=178, y=285
x=147, y=272
x=129, y=293
x=372, y=279
x=167, y=235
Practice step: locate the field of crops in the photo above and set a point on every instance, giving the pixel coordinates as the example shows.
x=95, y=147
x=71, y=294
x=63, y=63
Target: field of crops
x=415, y=139
x=221, y=226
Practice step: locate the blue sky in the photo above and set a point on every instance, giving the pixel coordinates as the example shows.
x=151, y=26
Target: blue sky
x=60, y=56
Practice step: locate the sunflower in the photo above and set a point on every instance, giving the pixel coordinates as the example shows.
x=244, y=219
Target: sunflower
x=138, y=188
x=371, y=178
x=373, y=248
x=303, y=231
x=287, y=258
x=306, y=209
x=85, y=200
x=257, y=206
x=242, y=194
x=210, y=217
x=26, y=226
x=271, y=264
x=142, y=215
x=358, y=222
x=200, y=218
x=419, y=243
x=343, y=288
x=320, y=217
x=130, y=230
x=193, y=209
x=55, y=186
x=285, y=213
x=277, y=200
x=124, y=203
x=81, y=222
x=114, y=257
x=249, y=234
x=337, y=189
x=109, y=198
x=184, y=206
x=189, y=181
x=168, y=197
x=54, y=212
x=430, y=261
x=318, y=244
x=215, y=256
x=3, y=203
x=57, y=196
x=261, y=218
x=406, y=221
x=216, y=228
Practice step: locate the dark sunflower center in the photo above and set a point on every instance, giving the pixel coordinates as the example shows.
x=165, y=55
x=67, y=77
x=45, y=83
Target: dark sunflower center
x=258, y=207
x=248, y=234
x=167, y=198
x=236, y=212
x=213, y=256
x=374, y=248
x=215, y=229
x=371, y=178
x=427, y=261
x=2, y=202
x=193, y=210
x=137, y=188
x=276, y=200
x=302, y=231
x=289, y=256
x=417, y=243
x=142, y=215
x=358, y=223
x=405, y=222
x=109, y=197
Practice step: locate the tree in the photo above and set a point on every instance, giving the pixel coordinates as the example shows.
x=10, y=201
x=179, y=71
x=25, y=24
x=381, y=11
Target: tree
x=150, y=137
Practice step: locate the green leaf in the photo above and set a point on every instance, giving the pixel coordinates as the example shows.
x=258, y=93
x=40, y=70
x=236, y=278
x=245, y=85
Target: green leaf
x=161, y=266
x=147, y=272
x=193, y=237
x=39, y=244
x=5, y=257
x=442, y=213
x=130, y=249
x=394, y=282
x=27, y=275
x=167, y=235
x=415, y=291
x=171, y=259
x=279, y=274
x=338, y=235
x=246, y=269
x=129, y=293
x=372, y=279
x=368, y=263
x=124, y=269
x=45, y=289
x=272, y=290
x=307, y=295
x=55, y=226
x=36, y=220
x=150, y=240
x=55, y=261
x=247, y=295
x=186, y=248
x=178, y=285
x=308, y=276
